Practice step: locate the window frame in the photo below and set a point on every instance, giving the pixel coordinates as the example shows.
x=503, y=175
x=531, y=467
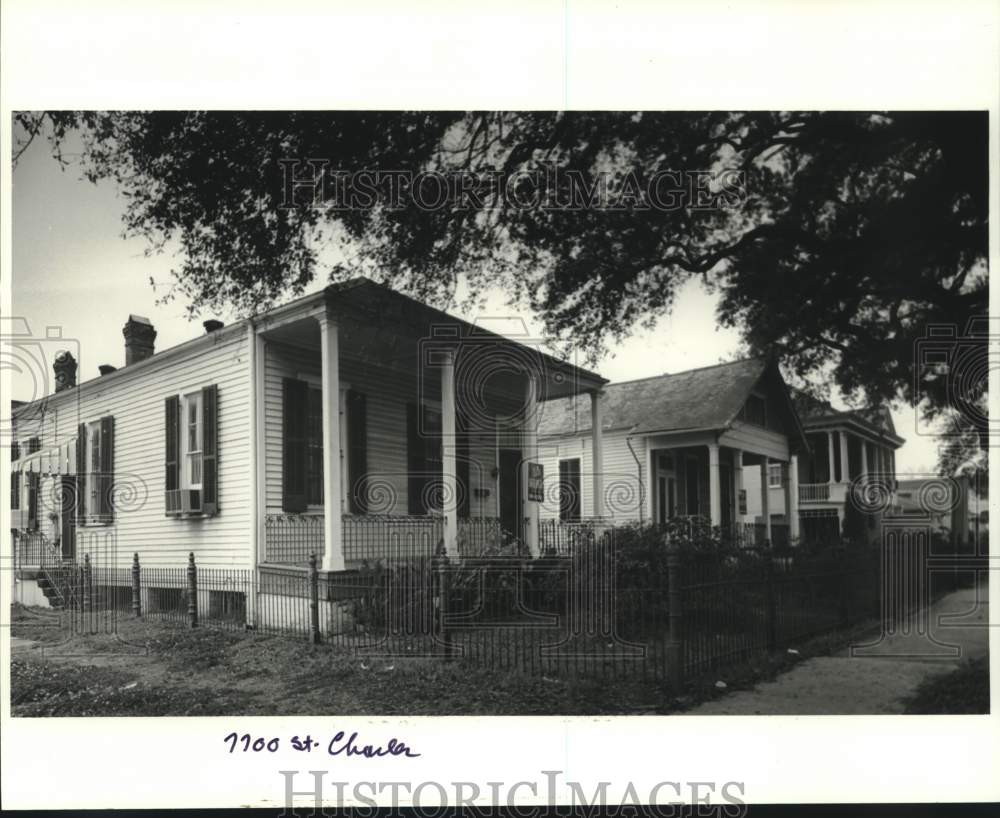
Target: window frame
x=186, y=453
x=92, y=500
x=771, y=467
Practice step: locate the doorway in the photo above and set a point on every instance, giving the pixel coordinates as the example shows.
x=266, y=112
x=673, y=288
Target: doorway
x=511, y=502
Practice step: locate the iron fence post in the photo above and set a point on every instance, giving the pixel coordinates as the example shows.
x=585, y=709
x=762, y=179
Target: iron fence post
x=770, y=601
x=192, y=578
x=136, y=586
x=314, y=600
x=675, y=614
x=85, y=582
x=443, y=578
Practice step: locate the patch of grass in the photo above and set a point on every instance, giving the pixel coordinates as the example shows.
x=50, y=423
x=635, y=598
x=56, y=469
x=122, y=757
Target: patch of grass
x=965, y=690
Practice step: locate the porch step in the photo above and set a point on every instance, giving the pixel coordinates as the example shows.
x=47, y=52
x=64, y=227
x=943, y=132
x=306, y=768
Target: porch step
x=55, y=584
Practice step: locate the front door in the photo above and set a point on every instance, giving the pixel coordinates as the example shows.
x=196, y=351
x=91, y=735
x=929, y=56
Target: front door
x=510, y=491
x=67, y=517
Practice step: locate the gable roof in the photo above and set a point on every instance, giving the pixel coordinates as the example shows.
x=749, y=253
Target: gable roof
x=876, y=420
x=696, y=400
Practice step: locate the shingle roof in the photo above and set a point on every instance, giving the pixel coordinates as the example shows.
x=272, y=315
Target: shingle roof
x=706, y=398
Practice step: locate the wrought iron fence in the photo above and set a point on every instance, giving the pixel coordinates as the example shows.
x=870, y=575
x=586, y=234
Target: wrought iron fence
x=565, y=537
x=622, y=605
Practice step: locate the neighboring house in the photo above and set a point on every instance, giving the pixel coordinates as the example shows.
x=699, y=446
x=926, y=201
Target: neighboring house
x=334, y=425
x=843, y=445
x=945, y=504
x=676, y=445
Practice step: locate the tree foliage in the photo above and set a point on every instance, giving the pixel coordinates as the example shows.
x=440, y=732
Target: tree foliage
x=852, y=232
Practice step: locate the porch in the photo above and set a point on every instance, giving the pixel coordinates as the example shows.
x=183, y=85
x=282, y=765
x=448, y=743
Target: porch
x=419, y=429
x=691, y=479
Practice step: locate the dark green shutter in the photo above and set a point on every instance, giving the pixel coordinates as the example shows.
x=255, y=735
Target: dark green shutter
x=294, y=427
x=172, y=456
x=357, y=452
x=105, y=499
x=81, y=473
x=210, y=449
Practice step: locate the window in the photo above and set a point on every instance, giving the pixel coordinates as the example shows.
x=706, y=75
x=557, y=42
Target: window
x=303, y=482
x=191, y=457
x=191, y=441
x=94, y=481
x=569, y=490
x=774, y=476
x=95, y=471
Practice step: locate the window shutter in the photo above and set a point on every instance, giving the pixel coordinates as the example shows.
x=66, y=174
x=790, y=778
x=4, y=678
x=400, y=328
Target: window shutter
x=81, y=473
x=210, y=450
x=357, y=447
x=294, y=445
x=33, y=483
x=172, y=456
x=15, y=477
x=415, y=464
x=107, y=477
x=34, y=444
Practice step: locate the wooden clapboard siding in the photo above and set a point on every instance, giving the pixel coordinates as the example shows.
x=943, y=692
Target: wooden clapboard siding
x=137, y=402
x=623, y=477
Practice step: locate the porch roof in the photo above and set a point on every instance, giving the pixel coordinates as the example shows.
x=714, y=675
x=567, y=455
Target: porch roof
x=702, y=399
x=374, y=312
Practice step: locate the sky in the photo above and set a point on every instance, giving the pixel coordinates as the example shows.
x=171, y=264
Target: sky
x=74, y=272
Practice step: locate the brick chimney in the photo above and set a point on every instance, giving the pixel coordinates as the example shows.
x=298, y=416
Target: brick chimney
x=212, y=325
x=106, y=369
x=139, y=337
x=64, y=367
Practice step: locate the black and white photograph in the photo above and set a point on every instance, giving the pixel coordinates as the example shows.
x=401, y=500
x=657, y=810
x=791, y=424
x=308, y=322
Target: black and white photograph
x=378, y=412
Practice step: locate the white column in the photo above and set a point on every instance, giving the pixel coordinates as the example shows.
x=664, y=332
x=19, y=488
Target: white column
x=845, y=467
x=530, y=440
x=792, y=504
x=864, y=458
x=597, y=450
x=829, y=441
x=333, y=536
x=765, y=497
x=449, y=444
x=737, y=483
x=714, y=494
x=650, y=499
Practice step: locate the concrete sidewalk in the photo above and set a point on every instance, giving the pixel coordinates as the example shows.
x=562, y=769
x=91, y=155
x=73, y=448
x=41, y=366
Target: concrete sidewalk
x=873, y=679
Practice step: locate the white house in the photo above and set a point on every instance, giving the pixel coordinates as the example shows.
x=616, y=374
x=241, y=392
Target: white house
x=843, y=446
x=675, y=445
x=355, y=423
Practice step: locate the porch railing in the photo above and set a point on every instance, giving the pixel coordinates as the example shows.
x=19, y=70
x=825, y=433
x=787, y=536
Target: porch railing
x=562, y=537
x=368, y=538
x=814, y=492
x=291, y=538
x=32, y=549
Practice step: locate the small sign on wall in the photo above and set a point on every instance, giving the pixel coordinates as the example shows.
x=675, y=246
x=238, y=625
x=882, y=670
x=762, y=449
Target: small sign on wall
x=536, y=482
x=743, y=501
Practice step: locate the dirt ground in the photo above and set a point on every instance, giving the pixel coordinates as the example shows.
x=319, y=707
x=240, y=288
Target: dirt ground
x=150, y=669
x=871, y=680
